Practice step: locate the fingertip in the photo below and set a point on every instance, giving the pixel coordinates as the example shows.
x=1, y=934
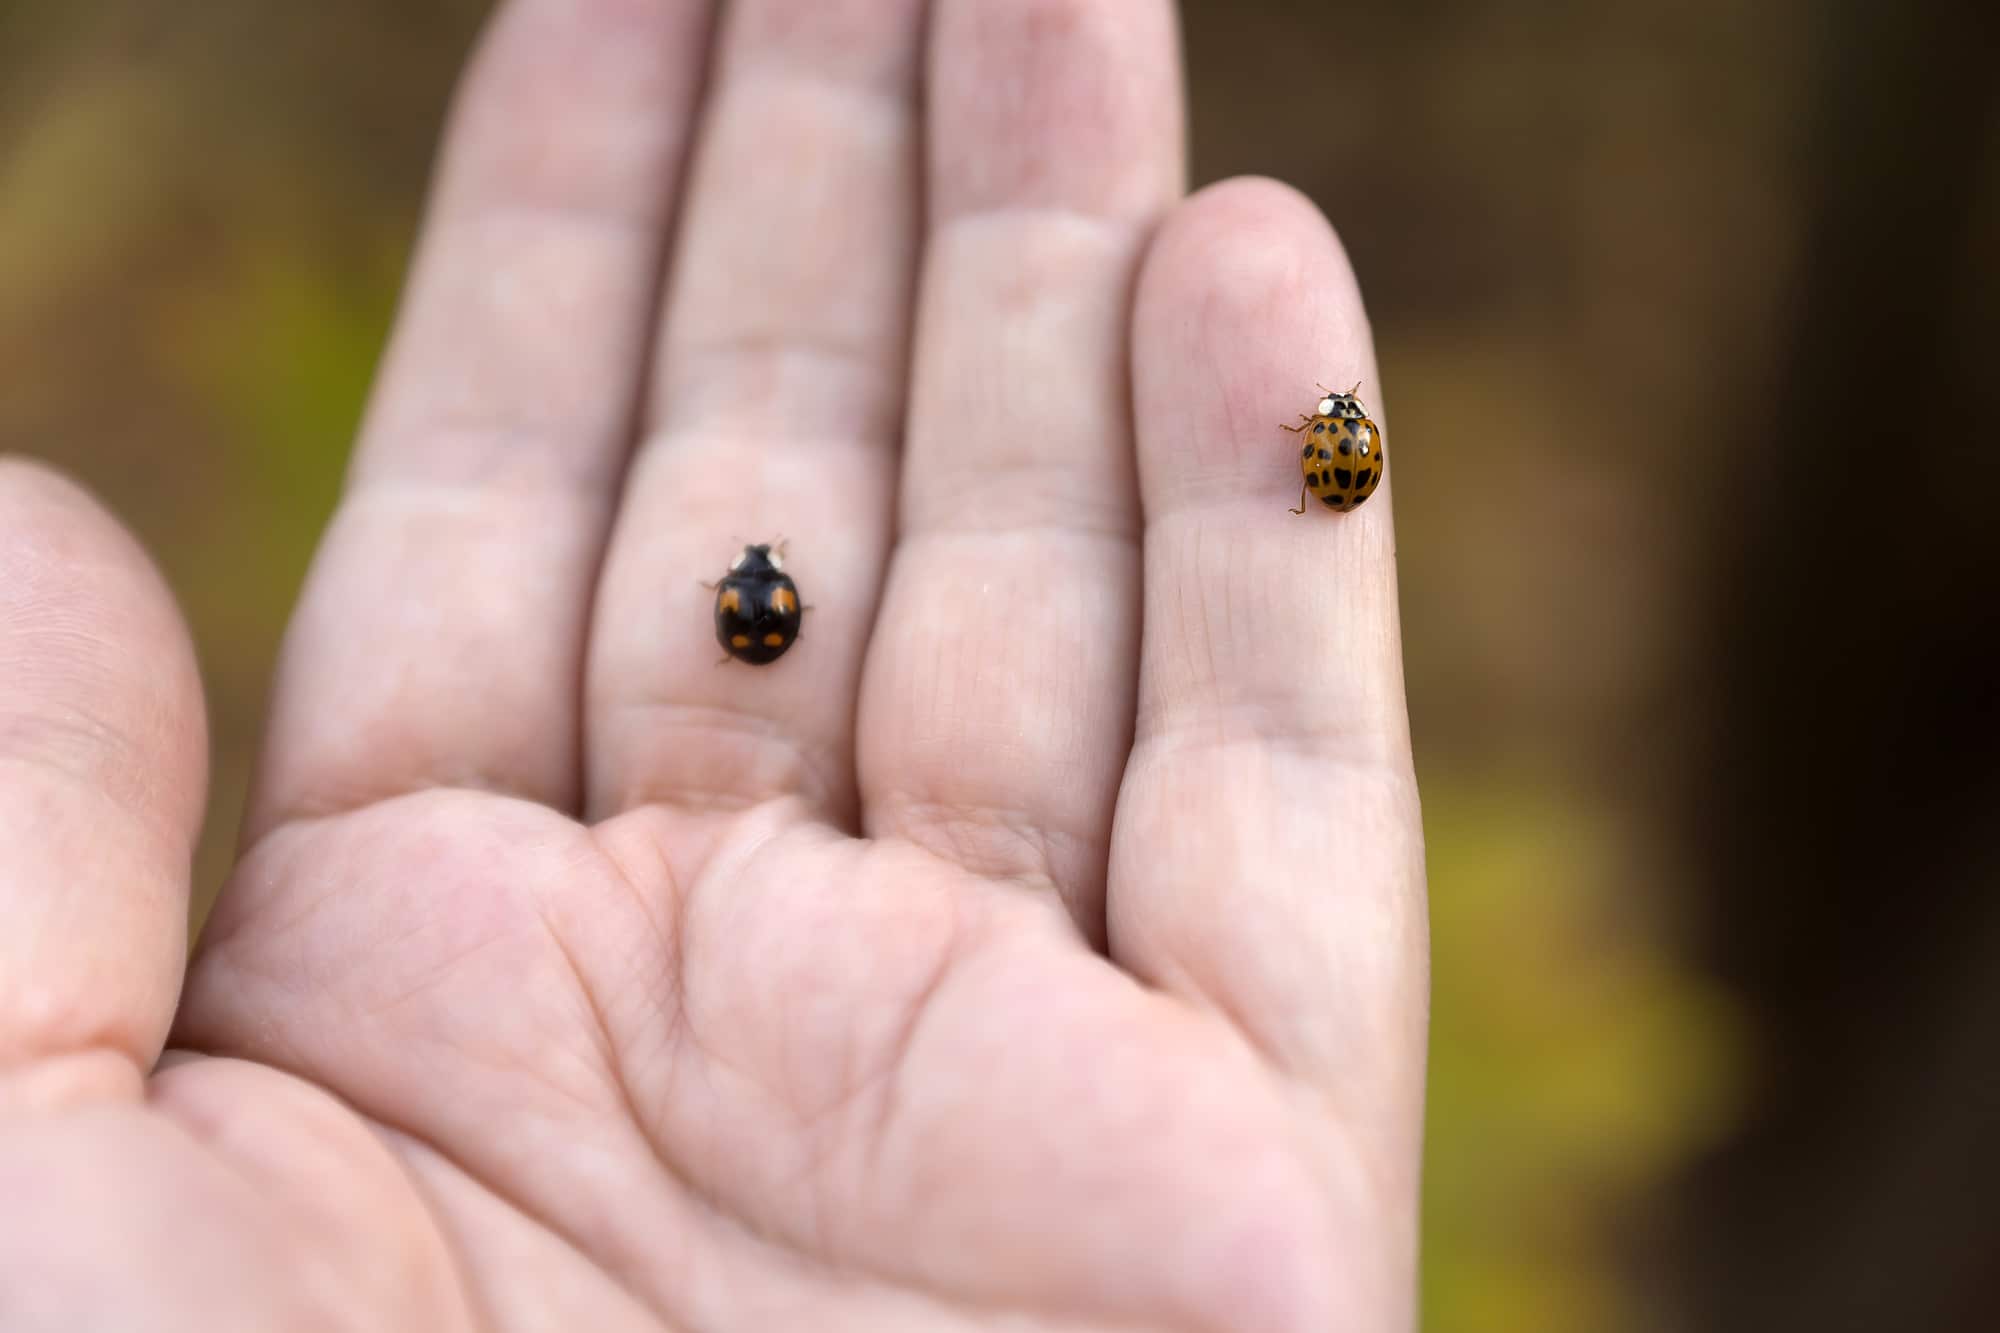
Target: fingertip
x=1246, y=301
x=1256, y=230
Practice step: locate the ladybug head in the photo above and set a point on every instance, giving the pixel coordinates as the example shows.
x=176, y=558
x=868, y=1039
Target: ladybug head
x=758, y=557
x=1341, y=404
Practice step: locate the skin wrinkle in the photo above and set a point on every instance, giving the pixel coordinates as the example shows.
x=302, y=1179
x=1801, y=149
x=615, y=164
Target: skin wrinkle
x=297, y=1064
x=292, y=1228
x=885, y=1077
x=377, y=1119
x=713, y=1058
x=765, y=732
x=204, y=1125
x=971, y=508
x=408, y=1150
x=700, y=402
x=51, y=755
x=480, y=1313
x=608, y=1052
x=560, y=274
x=495, y=483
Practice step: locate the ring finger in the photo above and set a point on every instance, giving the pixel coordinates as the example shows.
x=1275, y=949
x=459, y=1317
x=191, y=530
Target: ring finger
x=1014, y=594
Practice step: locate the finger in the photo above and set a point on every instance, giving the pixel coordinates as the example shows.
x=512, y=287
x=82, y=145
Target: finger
x=1268, y=856
x=103, y=762
x=1013, y=598
x=439, y=640
x=776, y=406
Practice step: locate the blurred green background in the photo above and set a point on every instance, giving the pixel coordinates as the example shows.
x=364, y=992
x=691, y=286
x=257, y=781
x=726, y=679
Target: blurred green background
x=1591, y=238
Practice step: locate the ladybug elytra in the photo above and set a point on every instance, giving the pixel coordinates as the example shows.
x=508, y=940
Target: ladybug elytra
x=757, y=611
x=1342, y=455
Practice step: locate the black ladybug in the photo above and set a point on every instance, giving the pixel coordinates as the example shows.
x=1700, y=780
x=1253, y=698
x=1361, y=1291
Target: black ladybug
x=757, y=608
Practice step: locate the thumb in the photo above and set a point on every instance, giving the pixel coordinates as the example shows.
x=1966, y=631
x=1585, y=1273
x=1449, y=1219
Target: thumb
x=103, y=761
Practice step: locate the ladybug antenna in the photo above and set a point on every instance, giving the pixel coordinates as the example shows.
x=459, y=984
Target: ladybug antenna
x=1356, y=389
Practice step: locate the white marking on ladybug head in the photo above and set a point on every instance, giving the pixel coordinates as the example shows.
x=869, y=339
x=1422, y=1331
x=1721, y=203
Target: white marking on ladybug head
x=1326, y=406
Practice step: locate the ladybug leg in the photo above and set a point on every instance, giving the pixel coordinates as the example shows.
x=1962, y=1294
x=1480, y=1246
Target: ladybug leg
x=710, y=586
x=1302, y=501
x=1293, y=429
x=722, y=660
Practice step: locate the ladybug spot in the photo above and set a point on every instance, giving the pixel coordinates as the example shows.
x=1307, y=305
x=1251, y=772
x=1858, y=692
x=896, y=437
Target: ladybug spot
x=1312, y=480
x=1346, y=448
x=1363, y=477
x=1332, y=501
x=1306, y=452
x=1324, y=455
x=1343, y=477
x=1319, y=428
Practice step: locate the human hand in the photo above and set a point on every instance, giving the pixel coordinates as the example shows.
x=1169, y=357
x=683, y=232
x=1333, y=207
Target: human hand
x=1038, y=945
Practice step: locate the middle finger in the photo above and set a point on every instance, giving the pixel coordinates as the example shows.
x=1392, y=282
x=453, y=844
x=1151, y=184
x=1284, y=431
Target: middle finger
x=776, y=403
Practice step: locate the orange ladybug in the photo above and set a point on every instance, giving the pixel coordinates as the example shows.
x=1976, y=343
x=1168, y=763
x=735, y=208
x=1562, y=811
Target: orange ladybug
x=1342, y=457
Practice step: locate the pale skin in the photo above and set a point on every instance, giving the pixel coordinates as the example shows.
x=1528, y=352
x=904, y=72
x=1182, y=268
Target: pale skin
x=1039, y=945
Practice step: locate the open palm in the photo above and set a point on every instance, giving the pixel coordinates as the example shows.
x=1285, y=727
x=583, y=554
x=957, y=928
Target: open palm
x=1038, y=945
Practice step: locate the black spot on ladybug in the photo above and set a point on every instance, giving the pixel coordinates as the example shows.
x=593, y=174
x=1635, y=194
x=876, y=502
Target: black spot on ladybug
x=1344, y=477
x=1324, y=455
x=1332, y=501
x=1306, y=452
x=1346, y=448
x=1363, y=477
x=1319, y=428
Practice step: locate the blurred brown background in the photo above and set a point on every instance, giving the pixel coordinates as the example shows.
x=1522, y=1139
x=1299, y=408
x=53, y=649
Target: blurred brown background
x=1687, y=322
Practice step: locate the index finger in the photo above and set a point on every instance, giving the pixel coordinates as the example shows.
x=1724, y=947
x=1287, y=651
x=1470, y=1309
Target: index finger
x=1268, y=858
